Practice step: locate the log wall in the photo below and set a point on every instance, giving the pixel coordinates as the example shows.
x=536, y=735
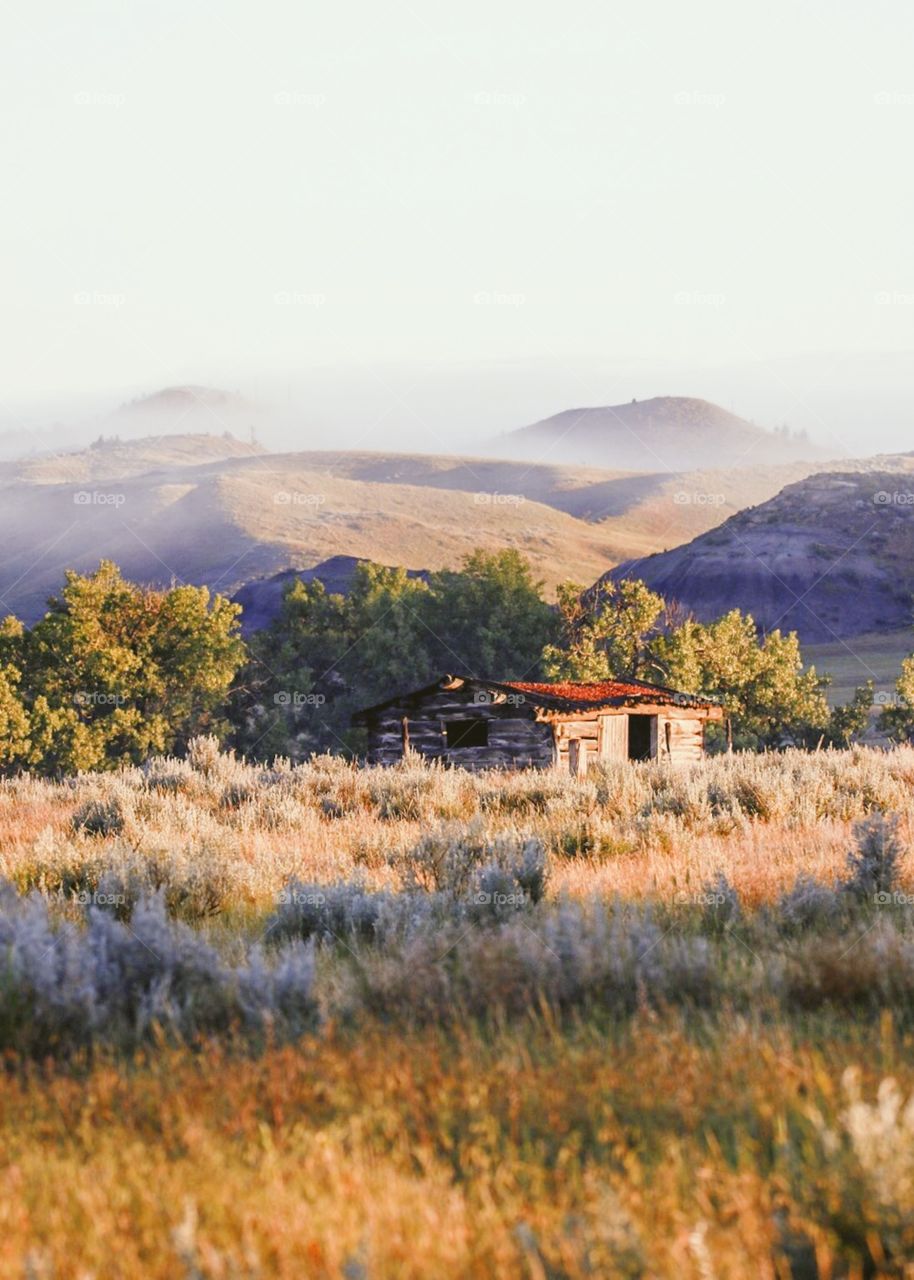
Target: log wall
x=521, y=735
x=517, y=740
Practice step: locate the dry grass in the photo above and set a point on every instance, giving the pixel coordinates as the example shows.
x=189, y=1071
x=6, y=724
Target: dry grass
x=534, y=1155
x=231, y=835
x=636, y=1132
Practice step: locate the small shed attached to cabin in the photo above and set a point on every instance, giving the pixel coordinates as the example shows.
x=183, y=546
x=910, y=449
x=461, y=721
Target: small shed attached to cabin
x=512, y=724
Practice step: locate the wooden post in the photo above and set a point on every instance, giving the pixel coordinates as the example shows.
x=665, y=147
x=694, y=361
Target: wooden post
x=404, y=726
x=577, y=757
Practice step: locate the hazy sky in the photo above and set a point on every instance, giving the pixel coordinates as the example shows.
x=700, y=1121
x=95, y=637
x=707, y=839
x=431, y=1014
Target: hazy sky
x=213, y=191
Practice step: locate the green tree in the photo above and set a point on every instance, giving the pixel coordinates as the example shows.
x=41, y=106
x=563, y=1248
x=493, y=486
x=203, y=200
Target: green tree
x=325, y=656
x=769, y=698
x=489, y=618
x=15, y=742
x=114, y=672
x=605, y=632
x=897, y=719
x=850, y=720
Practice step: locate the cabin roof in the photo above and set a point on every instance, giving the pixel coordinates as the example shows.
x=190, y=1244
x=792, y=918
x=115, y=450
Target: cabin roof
x=563, y=695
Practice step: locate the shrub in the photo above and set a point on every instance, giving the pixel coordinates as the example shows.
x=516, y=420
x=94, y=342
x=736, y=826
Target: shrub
x=873, y=865
x=808, y=905
x=99, y=817
x=573, y=956
x=204, y=754
x=70, y=988
x=337, y=912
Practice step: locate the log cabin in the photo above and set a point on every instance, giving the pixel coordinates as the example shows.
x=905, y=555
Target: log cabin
x=515, y=724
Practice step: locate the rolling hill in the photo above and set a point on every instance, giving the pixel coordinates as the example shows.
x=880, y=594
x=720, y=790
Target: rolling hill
x=667, y=433
x=212, y=509
x=830, y=557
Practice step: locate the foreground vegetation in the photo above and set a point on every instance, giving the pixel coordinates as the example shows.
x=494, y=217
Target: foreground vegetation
x=320, y=1020
x=667, y=1148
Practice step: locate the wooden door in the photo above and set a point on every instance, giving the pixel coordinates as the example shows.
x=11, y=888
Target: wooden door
x=614, y=737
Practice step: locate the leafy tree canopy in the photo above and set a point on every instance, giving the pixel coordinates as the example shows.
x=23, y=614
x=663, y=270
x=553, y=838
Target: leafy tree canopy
x=115, y=672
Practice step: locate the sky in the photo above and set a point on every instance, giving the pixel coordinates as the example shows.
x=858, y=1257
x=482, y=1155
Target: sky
x=555, y=204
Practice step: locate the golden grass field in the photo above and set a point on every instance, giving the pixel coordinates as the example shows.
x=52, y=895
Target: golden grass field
x=239, y=832
x=765, y=1131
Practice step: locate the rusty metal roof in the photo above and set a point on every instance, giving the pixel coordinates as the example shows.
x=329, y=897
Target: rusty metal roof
x=562, y=695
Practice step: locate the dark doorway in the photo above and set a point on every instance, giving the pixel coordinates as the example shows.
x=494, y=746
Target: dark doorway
x=466, y=733
x=640, y=736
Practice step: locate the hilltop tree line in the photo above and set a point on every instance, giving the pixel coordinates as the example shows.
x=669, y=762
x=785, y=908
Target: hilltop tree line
x=116, y=672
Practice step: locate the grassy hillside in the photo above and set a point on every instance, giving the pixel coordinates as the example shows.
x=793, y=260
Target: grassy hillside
x=831, y=557
x=211, y=509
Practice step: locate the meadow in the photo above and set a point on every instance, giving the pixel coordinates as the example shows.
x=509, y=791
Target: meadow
x=322, y=1020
